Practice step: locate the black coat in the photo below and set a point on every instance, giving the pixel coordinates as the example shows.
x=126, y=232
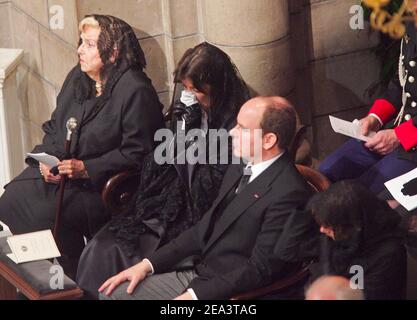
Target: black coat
x=109, y=140
x=171, y=198
x=377, y=247
x=244, y=251
x=384, y=264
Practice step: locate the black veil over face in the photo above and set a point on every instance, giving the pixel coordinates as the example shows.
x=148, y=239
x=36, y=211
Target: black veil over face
x=119, y=51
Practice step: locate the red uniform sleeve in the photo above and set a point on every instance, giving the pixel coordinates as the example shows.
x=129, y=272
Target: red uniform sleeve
x=383, y=109
x=407, y=134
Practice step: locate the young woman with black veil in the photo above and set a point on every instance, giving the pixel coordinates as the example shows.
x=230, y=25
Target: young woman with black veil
x=118, y=113
x=361, y=232
x=173, y=197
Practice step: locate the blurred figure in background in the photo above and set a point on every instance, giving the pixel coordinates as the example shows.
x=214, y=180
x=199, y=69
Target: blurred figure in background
x=333, y=288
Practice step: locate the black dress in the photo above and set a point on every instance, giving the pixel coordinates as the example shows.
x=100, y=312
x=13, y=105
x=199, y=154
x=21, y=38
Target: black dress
x=115, y=132
x=171, y=198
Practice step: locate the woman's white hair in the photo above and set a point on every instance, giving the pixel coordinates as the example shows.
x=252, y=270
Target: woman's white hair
x=88, y=22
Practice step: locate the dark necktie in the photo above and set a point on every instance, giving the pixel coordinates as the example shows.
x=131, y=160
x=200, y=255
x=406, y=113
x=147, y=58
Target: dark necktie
x=247, y=173
x=244, y=180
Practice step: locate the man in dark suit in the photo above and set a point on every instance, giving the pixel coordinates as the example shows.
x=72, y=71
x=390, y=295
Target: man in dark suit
x=241, y=242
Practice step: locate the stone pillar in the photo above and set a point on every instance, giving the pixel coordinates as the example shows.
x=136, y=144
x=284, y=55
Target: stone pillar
x=341, y=67
x=182, y=31
x=11, y=140
x=256, y=35
x=6, y=39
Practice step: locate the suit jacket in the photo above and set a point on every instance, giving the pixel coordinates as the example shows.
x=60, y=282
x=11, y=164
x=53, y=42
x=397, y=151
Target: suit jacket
x=109, y=139
x=246, y=248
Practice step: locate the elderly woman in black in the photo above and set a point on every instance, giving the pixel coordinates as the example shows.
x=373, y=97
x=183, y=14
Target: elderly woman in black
x=362, y=233
x=118, y=112
x=173, y=197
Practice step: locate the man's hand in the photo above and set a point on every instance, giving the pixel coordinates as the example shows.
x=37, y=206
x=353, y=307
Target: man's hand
x=135, y=275
x=184, y=296
x=369, y=124
x=394, y=204
x=73, y=168
x=384, y=142
x=48, y=176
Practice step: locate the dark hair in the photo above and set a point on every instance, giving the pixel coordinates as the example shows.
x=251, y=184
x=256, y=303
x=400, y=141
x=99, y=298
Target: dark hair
x=349, y=208
x=282, y=122
x=115, y=34
x=205, y=65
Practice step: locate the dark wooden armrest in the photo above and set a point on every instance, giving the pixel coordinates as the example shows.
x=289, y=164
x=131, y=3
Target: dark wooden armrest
x=297, y=141
x=314, y=178
x=32, y=280
x=279, y=285
x=119, y=190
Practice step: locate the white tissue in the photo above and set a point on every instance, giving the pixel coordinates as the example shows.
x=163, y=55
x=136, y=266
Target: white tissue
x=188, y=98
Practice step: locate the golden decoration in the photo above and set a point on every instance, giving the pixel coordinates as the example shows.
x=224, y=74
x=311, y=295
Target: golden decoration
x=393, y=25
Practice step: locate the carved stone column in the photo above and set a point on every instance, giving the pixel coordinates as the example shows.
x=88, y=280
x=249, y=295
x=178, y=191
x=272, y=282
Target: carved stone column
x=257, y=36
x=11, y=134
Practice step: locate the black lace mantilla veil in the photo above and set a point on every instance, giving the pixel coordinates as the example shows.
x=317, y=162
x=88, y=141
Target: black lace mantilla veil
x=164, y=206
x=116, y=38
x=162, y=197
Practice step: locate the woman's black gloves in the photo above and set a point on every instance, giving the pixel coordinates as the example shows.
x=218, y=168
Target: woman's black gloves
x=188, y=114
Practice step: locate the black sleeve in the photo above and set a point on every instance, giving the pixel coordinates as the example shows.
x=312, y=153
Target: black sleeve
x=386, y=278
x=49, y=127
x=301, y=238
x=142, y=116
x=187, y=244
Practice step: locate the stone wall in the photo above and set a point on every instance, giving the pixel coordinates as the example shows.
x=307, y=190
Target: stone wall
x=300, y=49
x=336, y=68
x=49, y=55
